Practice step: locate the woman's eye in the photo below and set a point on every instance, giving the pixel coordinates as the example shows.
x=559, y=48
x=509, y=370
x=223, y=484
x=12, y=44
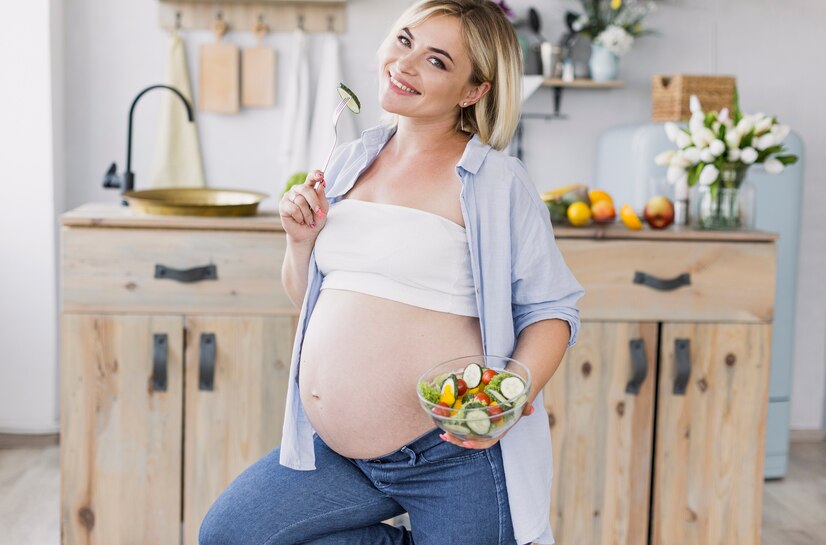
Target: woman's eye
x=404, y=41
x=437, y=63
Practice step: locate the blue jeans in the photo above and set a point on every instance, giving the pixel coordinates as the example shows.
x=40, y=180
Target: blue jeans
x=452, y=494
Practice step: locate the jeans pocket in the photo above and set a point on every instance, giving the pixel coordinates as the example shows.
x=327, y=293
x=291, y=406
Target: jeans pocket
x=446, y=452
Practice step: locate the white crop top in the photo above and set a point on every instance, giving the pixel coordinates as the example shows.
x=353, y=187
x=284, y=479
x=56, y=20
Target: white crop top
x=399, y=253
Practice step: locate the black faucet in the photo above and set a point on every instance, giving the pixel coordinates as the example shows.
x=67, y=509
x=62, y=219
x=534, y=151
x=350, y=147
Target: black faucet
x=127, y=181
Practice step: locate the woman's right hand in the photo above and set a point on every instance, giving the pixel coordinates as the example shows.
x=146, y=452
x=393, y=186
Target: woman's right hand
x=303, y=210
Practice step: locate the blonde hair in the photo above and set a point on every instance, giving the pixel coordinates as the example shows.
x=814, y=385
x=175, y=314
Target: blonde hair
x=495, y=57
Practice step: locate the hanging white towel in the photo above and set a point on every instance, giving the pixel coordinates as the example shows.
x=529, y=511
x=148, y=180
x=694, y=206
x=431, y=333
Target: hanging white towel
x=326, y=100
x=177, y=150
x=529, y=85
x=296, y=127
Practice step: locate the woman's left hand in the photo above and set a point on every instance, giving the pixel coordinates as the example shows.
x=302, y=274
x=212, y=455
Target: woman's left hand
x=450, y=438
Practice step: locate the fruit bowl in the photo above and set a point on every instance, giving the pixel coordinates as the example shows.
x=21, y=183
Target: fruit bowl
x=503, y=382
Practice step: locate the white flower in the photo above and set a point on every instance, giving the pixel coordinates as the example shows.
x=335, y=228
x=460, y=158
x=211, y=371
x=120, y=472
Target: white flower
x=697, y=122
x=706, y=156
x=765, y=141
x=674, y=173
x=748, y=155
x=733, y=138
x=723, y=116
x=671, y=131
x=746, y=124
x=694, y=105
x=780, y=132
x=708, y=175
x=692, y=154
x=680, y=160
x=682, y=140
x=763, y=125
x=734, y=154
x=664, y=159
x=702, y=137
x=717, y=147
x=616, y=39
x=773, y=166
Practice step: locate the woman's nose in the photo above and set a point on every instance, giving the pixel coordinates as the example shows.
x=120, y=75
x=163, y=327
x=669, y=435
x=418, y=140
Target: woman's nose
x=405, y=64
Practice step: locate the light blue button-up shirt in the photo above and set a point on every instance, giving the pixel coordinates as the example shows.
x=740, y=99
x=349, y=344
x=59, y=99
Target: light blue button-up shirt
x=520, y=278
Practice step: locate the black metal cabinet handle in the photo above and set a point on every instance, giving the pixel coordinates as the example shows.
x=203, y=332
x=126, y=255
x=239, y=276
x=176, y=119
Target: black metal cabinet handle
x=196, y=274
x=662, y=284
x=206, y=362
x=160, y=350
x=682, y=359
x=639, y=366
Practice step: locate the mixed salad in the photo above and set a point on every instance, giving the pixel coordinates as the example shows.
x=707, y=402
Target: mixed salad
x=474, y=401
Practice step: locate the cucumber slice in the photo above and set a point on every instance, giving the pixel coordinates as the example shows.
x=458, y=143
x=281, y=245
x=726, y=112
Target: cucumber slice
x=519, y=400
x=512, y=387
x=353, y=103
x=454, y=427
x=499, y=398
x=472, y=375
x=453, y=383
x=478, y=421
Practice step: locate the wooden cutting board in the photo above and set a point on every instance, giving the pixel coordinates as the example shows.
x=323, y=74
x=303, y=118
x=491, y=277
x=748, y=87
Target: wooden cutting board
x=219, y=78
x=258, y=72
x=258, y=77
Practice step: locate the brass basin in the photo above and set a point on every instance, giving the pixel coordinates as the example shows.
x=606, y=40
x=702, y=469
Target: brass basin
x=195, y=201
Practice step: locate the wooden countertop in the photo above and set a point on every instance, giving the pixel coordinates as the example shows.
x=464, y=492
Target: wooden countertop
x=112, y=215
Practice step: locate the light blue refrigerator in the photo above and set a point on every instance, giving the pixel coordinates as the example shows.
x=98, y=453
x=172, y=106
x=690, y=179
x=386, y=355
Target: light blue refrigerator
x=626, y=169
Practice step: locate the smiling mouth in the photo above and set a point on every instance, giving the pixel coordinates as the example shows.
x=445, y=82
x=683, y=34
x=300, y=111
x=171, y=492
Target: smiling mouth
x=402, y=86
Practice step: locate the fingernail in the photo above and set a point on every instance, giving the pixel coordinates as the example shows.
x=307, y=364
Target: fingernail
x=319, y=212
x=444, y=438
x=312, y=225
x=467, y=444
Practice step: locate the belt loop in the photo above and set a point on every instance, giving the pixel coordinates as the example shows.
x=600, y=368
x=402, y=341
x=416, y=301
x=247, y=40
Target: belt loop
x=410, y=453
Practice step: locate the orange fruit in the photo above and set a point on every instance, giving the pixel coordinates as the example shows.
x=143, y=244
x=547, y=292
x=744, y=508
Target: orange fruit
x=579, y=213
x=603, y=212
x=597, y=195
x=630, y=218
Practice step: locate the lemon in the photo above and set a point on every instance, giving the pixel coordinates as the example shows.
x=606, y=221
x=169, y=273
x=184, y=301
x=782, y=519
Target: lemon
x=579, y=213
x=630, y=218
x=597, y=195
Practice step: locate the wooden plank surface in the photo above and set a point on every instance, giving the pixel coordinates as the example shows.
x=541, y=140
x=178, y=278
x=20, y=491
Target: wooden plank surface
x=710, y=442
x=602, y=437
x=240, y=420
x=114, y=270
x=120, y=440
x=730, y=281
x=619, y=231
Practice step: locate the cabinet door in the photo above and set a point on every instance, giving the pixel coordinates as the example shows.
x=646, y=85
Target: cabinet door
x=708, y=469
x=601, y=430
x=236, y=385
x=120, y=432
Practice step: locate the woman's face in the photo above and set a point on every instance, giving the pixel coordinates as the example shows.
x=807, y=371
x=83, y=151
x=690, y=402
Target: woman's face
x=425, y=70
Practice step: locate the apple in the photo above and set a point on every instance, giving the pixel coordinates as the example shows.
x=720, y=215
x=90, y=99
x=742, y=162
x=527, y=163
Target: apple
x=603, y=212
x=659, y=212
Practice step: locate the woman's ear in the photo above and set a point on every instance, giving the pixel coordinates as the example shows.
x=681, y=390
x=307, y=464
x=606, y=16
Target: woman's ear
x=476, y=93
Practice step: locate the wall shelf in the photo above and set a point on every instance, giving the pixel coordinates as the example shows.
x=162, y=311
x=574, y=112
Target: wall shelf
x=243, y=15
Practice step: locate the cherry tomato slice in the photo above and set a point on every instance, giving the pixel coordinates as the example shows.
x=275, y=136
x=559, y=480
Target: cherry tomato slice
x=488, y=375
x=494, y=411
x=482, y=397
x=441, y=409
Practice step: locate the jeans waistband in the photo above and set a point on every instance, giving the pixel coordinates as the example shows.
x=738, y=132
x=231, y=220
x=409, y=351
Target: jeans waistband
x=421, y=443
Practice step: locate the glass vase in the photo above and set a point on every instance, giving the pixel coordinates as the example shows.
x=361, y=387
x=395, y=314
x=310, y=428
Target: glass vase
x=725, y=204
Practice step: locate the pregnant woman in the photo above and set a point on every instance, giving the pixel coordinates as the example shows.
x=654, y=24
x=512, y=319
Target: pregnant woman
x=423, y=243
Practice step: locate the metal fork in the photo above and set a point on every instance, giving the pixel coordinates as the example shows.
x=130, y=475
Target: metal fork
x=336, y=115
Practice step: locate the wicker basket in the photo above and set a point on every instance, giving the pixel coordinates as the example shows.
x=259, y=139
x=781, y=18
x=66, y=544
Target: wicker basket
x=670, y=95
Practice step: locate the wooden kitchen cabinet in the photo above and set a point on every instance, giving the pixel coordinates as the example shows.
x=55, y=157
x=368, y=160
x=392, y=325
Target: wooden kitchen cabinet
x=170, y=386
x=678, y=460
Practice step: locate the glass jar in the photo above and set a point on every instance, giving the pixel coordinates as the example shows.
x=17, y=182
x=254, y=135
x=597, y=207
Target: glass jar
x=727, y=203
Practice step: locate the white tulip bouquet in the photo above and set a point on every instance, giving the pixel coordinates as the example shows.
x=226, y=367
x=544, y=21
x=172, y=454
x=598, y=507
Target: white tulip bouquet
x=718, y=142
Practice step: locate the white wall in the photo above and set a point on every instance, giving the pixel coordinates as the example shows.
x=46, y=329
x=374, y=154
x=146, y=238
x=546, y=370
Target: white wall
x=28, y=298
x=115, y=48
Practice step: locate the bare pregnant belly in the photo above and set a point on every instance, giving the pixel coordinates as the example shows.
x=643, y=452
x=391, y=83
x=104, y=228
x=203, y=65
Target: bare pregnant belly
x=360, y=359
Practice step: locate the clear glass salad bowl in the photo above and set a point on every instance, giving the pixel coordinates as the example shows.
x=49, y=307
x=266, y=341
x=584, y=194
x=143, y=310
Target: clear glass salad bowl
x=450, y=394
